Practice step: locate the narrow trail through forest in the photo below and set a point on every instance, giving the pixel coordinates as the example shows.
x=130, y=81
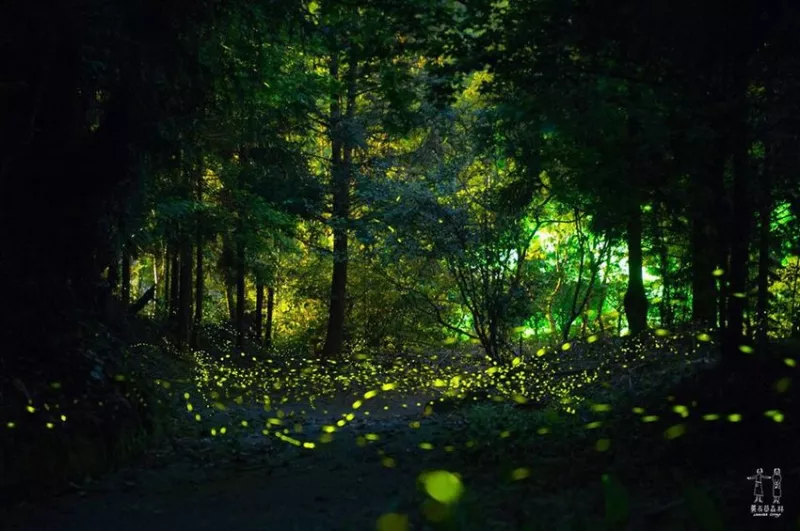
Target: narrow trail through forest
x=248, y=481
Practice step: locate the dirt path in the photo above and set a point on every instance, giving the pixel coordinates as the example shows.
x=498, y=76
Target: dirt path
x=312, y=492
x=247, y=482
x=241, y=483
x=243, y=480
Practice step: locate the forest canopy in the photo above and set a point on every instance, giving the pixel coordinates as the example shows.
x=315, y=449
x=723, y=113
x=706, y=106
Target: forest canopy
x=304, y=171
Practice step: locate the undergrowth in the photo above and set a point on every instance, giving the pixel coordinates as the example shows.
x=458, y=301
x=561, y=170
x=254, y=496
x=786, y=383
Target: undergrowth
x=96, y=410
x=608, y=434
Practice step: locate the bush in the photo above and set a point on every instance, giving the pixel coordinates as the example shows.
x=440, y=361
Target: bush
x=80, y=414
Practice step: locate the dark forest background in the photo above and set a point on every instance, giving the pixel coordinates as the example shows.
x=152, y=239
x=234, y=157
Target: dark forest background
x=362, y=183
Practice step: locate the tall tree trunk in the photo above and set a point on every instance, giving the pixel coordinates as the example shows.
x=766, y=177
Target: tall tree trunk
x=635, y=298
x=270, y=314
x=794, y=309
x=740, y=228
x=660, y=245
x=157, y=278
x=184, y=317
x=603, y=291
x=143, y=300
x=199, y=282
x=665, y=304
x=230, y=299
x=706, y=239
x=341, y=162
x=228, y=263
x=240, y=293
x=199, y=289
x=139, y=278
x=574, y=311
x=125, y=289
x=551, y=299
x=113, y=268
x=166, y=280
x=259, y=309
x=704, y=291
x=174, y=284
x=764, y=217
x=577, y=309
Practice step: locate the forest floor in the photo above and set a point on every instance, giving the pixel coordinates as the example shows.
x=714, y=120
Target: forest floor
x=241, y=484
x=546, y=471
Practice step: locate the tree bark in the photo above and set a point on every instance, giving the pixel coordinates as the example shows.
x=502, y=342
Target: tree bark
x=660, y=245
x=228, y=265
x=259, y=309
x=764, y=216
x=113, y=269
x=635, y=298
x=577, y=309
x=230, y=299
x=706, y=240
x=184, y=317
x=270, y=313
x=125, y=288
x=551, y=299
x=174, y=283
x=794, y=310
x=149, y=295
x=166, y=297
x=341, y=161
x=240, y=294
x=157, y=278
x=740, y=242
x=199, y=282
x=573, y=310
x=603, y=291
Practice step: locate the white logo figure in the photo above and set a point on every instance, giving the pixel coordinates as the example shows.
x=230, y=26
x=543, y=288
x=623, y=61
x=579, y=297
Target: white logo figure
x=758, y=488
x=759, y=508
x=776, y=486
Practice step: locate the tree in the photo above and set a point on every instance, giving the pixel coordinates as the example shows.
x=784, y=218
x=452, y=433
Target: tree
x=469, y=219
